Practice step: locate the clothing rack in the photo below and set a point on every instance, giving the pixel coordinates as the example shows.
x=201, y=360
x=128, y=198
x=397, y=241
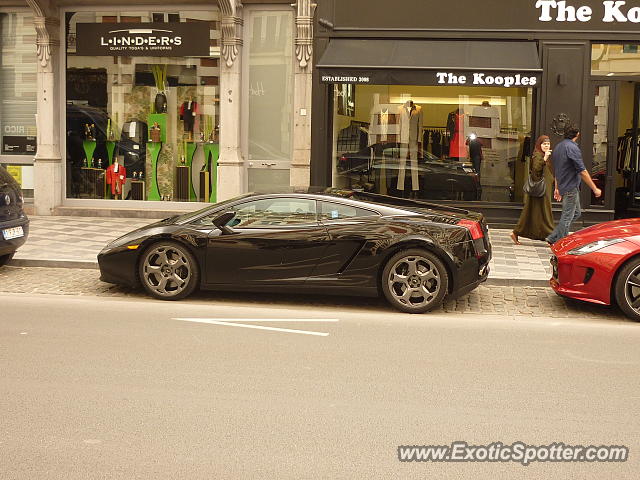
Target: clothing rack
x=435, y=140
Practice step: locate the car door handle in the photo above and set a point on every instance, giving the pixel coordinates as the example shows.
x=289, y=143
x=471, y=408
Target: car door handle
x=268, y=164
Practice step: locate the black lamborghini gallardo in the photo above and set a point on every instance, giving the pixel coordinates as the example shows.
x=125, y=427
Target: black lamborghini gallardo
x=414, y=253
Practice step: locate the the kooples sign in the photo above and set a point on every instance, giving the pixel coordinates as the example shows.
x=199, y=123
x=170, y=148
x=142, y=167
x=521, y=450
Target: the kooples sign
x=482, y=79
x=143, y=39
x=613, y=11
x=470, y=78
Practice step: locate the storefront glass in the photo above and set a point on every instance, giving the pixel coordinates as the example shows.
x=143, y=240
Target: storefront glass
x=18, y=96
x=612, y=59
x=432, y=142
x=142, y=112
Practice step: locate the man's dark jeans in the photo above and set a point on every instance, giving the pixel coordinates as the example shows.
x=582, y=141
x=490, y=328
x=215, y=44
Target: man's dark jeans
x=570, y=212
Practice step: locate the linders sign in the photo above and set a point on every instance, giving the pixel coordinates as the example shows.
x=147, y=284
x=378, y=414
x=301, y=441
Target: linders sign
x=174, y=39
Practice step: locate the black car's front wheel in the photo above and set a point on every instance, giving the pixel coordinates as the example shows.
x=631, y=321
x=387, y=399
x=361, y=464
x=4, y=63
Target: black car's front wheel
x=415, y=281
x=627, y=289
x=168, y=271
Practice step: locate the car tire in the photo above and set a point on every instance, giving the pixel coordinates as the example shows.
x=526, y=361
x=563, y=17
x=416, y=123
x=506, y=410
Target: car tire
x=168, y=271
x=4, y=259
x=415, y=281
x=627, y=289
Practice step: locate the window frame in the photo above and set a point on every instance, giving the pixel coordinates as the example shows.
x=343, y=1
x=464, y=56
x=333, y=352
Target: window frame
x=375, y=213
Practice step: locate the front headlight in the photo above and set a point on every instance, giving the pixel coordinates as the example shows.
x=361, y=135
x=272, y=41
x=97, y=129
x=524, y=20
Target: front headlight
x=594, y=246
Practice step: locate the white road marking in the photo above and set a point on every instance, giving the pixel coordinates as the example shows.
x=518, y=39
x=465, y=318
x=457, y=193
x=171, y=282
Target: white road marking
x=232, y=323
x=262, y=319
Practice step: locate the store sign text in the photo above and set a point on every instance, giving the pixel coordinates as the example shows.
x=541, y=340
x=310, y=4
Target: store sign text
x=158, y=39
x=482, y=79
x=614, y=11
x=345, y=79
x=137, y=42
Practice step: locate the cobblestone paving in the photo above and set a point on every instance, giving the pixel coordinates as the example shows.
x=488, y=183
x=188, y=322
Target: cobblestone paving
x=485, y=300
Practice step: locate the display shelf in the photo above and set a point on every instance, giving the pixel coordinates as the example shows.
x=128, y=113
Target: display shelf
x=89, y=147
x=154, y=150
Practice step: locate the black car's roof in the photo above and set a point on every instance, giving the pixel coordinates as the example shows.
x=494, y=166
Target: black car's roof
x=383, y=204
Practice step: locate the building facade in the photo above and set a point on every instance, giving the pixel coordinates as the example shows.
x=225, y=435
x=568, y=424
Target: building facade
x=126, y=106
x=444, y=100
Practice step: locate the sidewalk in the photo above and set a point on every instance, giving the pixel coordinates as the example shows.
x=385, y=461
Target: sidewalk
x=74, y=242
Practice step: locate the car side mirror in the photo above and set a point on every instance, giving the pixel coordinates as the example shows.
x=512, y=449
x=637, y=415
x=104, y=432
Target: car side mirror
x=222, y=220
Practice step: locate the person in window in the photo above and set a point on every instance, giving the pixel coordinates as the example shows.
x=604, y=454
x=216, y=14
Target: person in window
x=536, y=219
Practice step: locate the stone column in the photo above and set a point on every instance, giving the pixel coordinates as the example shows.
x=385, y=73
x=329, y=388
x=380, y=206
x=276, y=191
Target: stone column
x=232, y=174
x=300, y=164
x=48, y=188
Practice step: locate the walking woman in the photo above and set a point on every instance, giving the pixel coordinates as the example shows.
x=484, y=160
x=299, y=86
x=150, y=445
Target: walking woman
x=536, y=219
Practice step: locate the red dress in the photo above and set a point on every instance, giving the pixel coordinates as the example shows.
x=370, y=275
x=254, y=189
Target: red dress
x=116, y=179
x=457, y=147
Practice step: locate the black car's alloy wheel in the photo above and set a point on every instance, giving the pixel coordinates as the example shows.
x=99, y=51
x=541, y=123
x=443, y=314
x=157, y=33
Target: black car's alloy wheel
x=627, y=289
x=415, y=281
x=168, y=271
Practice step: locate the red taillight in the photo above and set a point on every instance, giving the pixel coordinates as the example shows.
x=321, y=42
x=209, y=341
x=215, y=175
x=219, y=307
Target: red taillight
x=343, y=158
x=474, y=228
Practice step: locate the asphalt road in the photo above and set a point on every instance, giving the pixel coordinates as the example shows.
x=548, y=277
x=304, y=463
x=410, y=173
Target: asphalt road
x=119, y=388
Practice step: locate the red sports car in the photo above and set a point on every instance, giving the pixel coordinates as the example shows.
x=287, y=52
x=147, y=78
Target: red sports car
x=601, y=264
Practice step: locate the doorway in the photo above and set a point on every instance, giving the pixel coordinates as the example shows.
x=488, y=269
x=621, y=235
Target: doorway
x=614, y=161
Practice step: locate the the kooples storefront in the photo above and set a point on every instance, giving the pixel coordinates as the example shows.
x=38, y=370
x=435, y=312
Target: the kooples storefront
x=443, y=101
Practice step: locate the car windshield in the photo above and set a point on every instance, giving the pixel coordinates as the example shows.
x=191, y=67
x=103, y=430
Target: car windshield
x=187, y=217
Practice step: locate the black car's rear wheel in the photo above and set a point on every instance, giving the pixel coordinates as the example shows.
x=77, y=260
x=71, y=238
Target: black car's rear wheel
x=627, y=289
x=415, y=281
x=168, y=271
x=4, y=259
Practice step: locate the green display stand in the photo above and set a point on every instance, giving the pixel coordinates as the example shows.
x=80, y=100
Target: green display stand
x=89, y=148
x=111, y=147
x=212, y=150
x=161, y=120
x=154, y=150
x=191, y=149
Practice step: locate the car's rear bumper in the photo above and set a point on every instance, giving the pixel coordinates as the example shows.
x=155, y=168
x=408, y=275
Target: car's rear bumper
x=10, y=246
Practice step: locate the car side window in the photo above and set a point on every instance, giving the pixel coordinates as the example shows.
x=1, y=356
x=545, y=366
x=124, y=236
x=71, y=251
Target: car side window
x=274, y=212
x=268, y=212
x=337, y=211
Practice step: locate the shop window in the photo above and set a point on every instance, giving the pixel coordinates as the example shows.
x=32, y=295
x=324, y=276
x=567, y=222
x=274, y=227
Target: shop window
x=433, y=142
x=143, y=125
x=18, y=89
x=610, y=59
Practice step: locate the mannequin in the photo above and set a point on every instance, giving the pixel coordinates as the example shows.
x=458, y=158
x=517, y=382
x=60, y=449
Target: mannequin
x=116, y=176
x=455, y=123
x=411, y=121
x=188, y=112
x=383, y=129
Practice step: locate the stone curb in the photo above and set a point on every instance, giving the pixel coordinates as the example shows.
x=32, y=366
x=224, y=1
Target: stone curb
x=25, y=262
x=491, y=281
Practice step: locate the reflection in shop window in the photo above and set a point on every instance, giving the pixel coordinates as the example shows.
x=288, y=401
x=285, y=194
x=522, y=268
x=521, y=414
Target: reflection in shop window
x=433, y=143
x=610, y=59
x=17, y=84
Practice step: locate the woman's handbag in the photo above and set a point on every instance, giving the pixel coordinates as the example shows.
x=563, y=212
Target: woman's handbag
x=535, y=189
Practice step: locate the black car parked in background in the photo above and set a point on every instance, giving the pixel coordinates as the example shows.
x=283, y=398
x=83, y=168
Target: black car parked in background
x=440, y=179
x=345, y=243
x=14, y=224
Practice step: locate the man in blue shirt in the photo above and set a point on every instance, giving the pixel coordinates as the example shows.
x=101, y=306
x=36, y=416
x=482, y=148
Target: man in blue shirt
x=569, y=170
